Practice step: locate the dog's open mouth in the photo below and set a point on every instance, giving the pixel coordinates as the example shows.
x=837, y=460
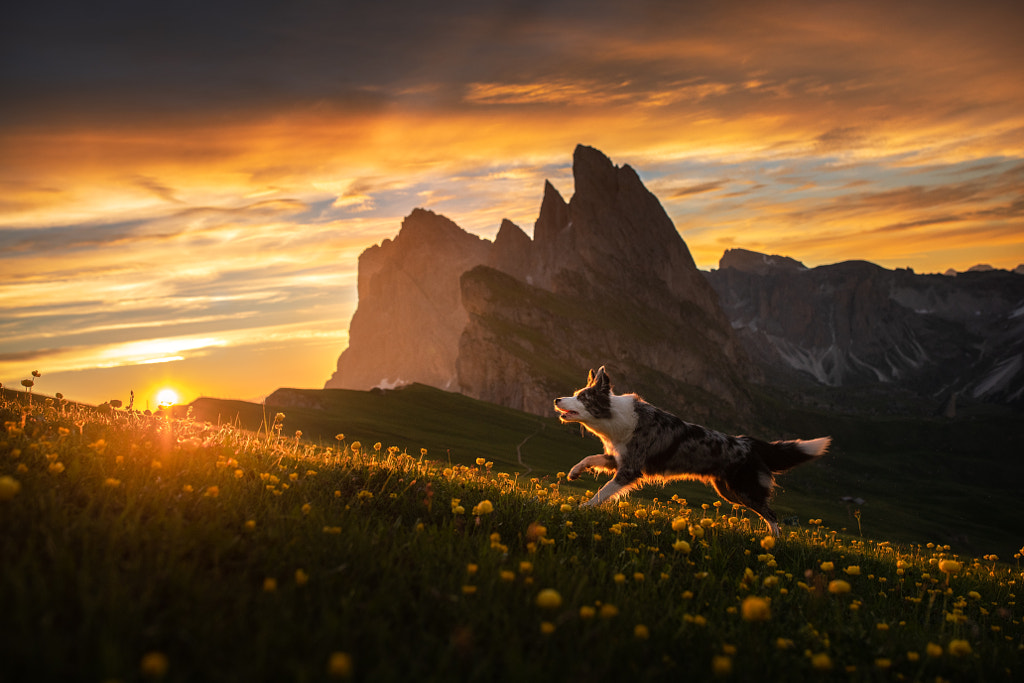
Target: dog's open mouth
x=566, y=414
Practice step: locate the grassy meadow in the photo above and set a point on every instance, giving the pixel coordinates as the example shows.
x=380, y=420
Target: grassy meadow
x=157, y=547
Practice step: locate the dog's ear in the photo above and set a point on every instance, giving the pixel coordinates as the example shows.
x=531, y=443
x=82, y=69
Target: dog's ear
x=601, y=379
x=590, y=378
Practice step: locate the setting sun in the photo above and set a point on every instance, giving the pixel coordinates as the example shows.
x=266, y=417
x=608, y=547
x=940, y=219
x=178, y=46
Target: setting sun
x=166, y=398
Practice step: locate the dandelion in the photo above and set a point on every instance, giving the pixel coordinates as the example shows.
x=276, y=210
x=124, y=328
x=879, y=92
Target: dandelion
x=949, y=566
x=681, y=547
x=9, y=487
x=768, y=542
x=838, y=586
x=484, y=507
x=827, y=566
x=755, y=609
x=154, y=665
x=339, y=665
x=679, y=523
x=549, y=598
x=959, y=648
x=852, y=570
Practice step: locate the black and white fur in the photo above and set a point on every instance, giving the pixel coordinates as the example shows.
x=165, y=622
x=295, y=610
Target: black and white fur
x=643, y=443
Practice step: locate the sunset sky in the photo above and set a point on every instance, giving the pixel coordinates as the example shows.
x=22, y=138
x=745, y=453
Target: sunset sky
x=185, y=187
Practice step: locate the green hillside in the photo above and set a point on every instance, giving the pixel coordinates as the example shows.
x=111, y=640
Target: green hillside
x=921, y=479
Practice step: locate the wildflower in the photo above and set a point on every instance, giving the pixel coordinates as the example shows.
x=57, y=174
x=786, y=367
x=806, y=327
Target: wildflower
x=355, y=447
x=619, y=578
x=525, y=567
x=339, y=437
x=587, y=612
x=212, y=492
x=154, y=665
x=681, y=547
x=608, y=611
x=827, y=566
x=783, y=643
x=301, y=577
x=468, y=590
x=565, y=508
x=959, y=648
x=549, y=598
x=933, y=650
x=837, y=586
x=364, y=495
x=755, y=609
x=852, y=570
x=507, y=575
x=339, y=665
x=110, y=482
x=294, y=476
x=949, y=566
x=883, y=663
x=484, y=507
x=56, y=468
x=307, y=508
x=768, y=542
x=547, y=628
x=641, y=632
x=250, y=525
x=721, y=665
x=974, y=595
x=333, y=530
x=679, y=523
x=638, y=577
x=239, y=474
x=9, y=487
x=821, y=661
x=98, y=446
x=480, y=461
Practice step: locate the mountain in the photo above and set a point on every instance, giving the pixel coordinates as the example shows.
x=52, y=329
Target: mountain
x=606, y=279
x=855, y=324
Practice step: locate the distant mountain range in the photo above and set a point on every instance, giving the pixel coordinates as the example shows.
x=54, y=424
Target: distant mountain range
x=607, y=279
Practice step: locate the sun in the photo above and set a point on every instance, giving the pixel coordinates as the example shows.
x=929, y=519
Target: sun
x=166, y=398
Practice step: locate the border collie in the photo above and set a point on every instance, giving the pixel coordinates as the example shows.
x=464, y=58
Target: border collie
x=643, y=443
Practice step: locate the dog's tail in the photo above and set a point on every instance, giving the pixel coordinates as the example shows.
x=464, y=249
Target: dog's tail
x=781, y=456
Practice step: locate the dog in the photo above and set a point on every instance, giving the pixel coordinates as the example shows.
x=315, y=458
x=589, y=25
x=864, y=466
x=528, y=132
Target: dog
x=643, y=443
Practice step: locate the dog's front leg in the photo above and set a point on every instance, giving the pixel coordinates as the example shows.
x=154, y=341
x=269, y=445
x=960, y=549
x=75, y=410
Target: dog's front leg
x=622, y=482
x=598, y=462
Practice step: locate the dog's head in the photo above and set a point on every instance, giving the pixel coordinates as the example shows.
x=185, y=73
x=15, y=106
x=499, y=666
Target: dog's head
x=592, y=402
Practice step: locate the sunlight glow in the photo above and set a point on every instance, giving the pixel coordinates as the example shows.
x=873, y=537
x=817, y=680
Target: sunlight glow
x=166, y=398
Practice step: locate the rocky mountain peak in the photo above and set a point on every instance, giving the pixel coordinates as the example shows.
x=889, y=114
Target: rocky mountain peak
x=755, y=262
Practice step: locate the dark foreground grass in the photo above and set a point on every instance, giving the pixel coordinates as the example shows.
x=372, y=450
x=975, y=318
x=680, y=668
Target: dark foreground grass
x=149, y=548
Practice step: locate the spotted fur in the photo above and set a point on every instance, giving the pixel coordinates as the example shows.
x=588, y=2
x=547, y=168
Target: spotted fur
x=643, y=443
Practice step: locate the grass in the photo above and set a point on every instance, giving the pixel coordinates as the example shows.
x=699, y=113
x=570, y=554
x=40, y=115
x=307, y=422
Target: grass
x=156, y=548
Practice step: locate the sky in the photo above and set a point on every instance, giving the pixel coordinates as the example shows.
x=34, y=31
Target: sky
x=185, y=187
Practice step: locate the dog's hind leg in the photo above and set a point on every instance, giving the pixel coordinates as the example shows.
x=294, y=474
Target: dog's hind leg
x=599, y=462
x=754, y=498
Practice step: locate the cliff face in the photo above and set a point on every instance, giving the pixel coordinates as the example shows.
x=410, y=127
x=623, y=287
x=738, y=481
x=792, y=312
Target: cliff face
x=410, y=315
x=606, y=280
x=855, y=323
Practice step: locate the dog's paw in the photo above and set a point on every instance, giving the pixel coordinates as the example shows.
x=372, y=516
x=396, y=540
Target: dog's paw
x=575, y=473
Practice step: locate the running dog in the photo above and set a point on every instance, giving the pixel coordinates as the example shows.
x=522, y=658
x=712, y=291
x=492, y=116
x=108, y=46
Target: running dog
x=643, y=443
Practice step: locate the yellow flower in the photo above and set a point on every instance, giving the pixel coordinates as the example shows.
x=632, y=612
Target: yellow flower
x=98, y=446
x=239, y=474
x=547, y=628
x=959, y=648
x=506, y=575
x=821, y=661
x=619, y=578
x=212, y=492
x=307, y=508
x=468, y=590
x=9, y=487
x=641, y=632
x=587, y=612
x=154, y=665
x=525, y=567
x=883, y=663
x=549, y=598
x=480, y=461
x=949, y=566
x=56, y=468
x=339, y=665
x=852, y=570
x=110, y=482
x=837, y=586
x=250, y=525
x=484, y=507
x=565, y=508
x=608, y=611
x=783, y=643
x=721, y=665
x=681, y=547
x=755, y=609
x=679, y=523
x=933, y=650
x=768, y=542
x=827, y=566
x=301, y=577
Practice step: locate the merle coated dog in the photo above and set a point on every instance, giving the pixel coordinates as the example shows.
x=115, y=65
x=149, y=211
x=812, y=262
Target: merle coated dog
x=643, y=443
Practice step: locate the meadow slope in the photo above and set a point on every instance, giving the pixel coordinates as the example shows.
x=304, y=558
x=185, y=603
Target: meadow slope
x=153, y=548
